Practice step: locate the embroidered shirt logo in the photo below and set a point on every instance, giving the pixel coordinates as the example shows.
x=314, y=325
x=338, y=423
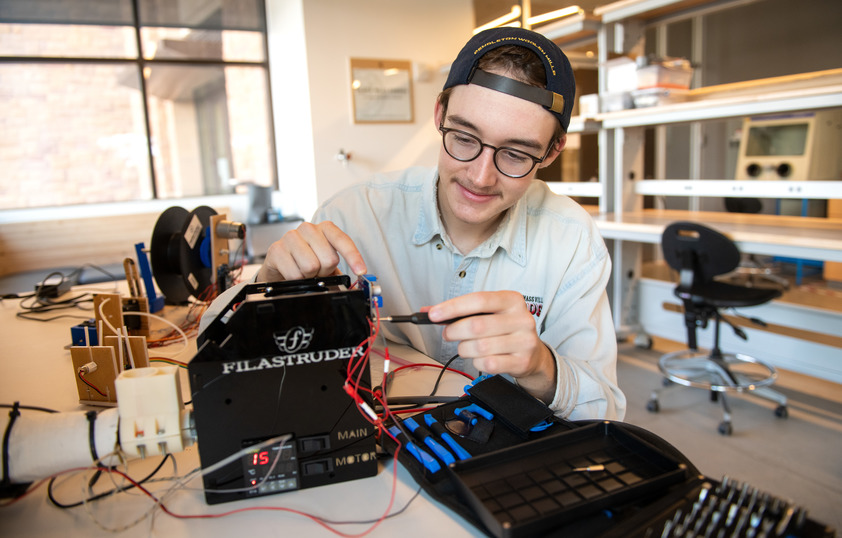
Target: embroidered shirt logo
x=534, y=304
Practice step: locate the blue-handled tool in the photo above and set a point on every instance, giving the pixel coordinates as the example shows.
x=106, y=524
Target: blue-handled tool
x=423, y=434
x=440, y=430
x=421, y=455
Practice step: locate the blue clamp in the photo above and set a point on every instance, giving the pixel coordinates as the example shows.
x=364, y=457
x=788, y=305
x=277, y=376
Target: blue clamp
x=425, y=436
x=426, y=460
x=460, y=452
x=156, y=302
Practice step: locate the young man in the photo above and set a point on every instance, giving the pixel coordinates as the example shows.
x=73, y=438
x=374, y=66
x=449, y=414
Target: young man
x=478, y=236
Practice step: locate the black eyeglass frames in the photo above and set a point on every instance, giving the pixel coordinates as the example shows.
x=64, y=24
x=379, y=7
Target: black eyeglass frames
x=466, y=147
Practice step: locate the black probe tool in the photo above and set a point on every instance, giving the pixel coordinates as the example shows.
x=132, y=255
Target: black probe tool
x=420, y=318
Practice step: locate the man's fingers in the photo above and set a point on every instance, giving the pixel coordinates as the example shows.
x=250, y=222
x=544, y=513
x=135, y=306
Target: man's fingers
x=316, y=256
x=483, y=302
x=344, y=245
x=311, y=250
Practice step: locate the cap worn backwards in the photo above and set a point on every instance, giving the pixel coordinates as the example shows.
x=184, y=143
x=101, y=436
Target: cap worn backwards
x=559, y=93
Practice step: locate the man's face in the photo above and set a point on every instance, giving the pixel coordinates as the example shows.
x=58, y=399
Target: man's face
x=475, y=193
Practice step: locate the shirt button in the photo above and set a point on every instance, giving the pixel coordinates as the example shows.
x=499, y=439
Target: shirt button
x=462, y=274
x=438, y=246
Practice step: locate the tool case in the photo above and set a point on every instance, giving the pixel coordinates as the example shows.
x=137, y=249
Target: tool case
x=525, y=472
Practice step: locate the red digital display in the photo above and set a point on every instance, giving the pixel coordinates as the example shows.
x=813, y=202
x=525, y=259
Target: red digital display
x=271, y=470
x=260, y=458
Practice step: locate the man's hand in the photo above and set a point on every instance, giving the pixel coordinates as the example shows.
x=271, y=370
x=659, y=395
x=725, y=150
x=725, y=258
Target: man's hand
x=311, y=250
x=500, y=337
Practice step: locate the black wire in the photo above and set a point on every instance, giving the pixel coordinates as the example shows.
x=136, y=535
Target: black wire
x=41, y=304
x=18, y=295
x=13, y=415
x=78, y=272
x=30, y=408
x=105, y=493
x=46, y=303
x=441, y=374
x=33, y=313
x=24, y=315
x=418, y=401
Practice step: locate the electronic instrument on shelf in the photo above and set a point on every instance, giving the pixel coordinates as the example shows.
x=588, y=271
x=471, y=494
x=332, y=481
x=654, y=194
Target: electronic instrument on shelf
x=794, y=147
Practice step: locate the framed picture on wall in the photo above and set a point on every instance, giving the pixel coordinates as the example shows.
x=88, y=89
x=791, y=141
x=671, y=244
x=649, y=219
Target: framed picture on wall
x=381, y=91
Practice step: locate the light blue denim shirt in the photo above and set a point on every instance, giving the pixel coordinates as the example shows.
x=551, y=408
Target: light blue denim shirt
x=547, y=248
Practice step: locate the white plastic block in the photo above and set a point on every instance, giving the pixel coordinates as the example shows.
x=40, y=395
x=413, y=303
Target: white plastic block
x=152, y=416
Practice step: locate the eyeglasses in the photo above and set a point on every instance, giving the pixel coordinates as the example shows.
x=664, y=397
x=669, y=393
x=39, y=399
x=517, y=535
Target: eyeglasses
x=466, y=147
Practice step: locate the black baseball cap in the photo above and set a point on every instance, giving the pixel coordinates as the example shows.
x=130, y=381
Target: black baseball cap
x=561, y=86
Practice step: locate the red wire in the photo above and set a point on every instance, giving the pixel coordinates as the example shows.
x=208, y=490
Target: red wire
x=88, y=383
x=170, y=513
x=353, y=389
x=424, y=364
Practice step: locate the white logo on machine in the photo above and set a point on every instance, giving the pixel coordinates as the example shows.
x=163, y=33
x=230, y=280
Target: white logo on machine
x=294, y=339
x=291, y=359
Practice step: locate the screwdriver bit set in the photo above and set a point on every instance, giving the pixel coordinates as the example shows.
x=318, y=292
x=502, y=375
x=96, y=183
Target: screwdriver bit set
x=732, y=510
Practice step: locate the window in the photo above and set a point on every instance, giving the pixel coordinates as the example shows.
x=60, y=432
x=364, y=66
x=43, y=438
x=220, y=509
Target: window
x=118, y=100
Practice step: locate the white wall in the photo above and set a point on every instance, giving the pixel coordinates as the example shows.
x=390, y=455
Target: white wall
x=290, y=89
x=311, y=43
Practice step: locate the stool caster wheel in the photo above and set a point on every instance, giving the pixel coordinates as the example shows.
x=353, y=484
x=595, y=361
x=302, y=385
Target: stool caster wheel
x=725, y=428
x=781, y=411
x=652, y=406
x=666, y=382
x=643, y=341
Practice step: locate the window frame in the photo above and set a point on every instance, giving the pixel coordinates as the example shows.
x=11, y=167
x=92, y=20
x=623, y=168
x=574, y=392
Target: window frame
x=141, y=64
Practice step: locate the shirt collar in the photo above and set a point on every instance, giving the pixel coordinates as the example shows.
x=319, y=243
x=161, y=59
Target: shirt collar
x=510, y=235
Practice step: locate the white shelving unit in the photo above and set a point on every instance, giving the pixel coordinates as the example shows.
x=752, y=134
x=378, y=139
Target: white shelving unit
x=660, y=11
x=572, y=188
x=817, y=190
x=627, y=226
x=574, y=30
x=730, y=107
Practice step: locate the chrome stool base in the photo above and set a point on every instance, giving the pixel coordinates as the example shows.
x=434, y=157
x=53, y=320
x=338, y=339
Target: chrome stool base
x=719, y=373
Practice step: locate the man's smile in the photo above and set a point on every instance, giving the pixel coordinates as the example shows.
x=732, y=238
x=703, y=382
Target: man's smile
x=473, y=194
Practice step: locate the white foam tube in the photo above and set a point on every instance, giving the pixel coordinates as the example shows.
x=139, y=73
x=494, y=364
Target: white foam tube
x=42, y=444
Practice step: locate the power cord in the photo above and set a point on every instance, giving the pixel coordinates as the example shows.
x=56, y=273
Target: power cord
x=441, y=373
x=104, y=494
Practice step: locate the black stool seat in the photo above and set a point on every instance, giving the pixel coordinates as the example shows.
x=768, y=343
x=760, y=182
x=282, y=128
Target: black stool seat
x=700, y=254
x=724, y=295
